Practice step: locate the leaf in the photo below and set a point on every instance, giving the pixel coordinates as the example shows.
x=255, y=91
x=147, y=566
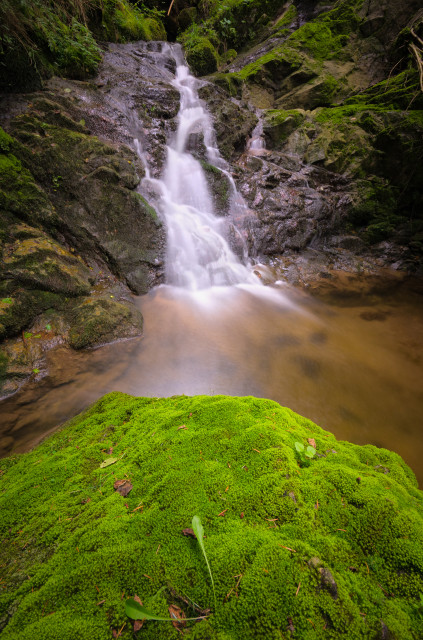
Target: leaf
x=48, y=327
x=310, y=452
x=189, y=533
x=7, y=300
x=178, y=615
x=123, y=487
x=199, y=532
x=312, y=441
x=27, y=334
x=36, y=371
x=136, y=611
x=108, y=462
x=299, y=447
x=138, y=623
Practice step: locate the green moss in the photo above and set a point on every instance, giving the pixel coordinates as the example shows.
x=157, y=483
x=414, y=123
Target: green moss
x=287, y=18
x=279, y=124
x=6, y=142
x=202, y=56
x=18, y=192
x=401, y=91
x=97, y=321
x=321, y=548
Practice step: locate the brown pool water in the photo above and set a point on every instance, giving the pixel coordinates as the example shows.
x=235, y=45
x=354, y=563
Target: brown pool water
x=355, y=370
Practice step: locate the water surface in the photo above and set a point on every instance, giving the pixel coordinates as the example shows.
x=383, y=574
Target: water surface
x=354, y=370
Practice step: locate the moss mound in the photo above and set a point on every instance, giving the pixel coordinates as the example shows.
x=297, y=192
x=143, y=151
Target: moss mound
x=333, y=549
x=202, y=56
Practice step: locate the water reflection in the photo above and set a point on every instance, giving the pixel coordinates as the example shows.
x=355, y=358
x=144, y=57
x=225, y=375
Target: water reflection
x=355, y=371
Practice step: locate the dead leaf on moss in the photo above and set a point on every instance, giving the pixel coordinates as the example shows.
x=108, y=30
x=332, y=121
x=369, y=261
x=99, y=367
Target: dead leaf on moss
x=182, y=427
x=138, y=623
x=312, y=442
x=178, y=615
x=189, y=532
x=108, y=462
x=123, y=487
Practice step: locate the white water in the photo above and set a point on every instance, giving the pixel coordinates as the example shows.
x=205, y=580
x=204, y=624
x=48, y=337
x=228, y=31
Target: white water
x=198, y=255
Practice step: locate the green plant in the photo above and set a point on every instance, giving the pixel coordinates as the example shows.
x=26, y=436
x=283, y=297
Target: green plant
x=56, y=180
x=137, y=611
x=305, y=454
x=199, y=532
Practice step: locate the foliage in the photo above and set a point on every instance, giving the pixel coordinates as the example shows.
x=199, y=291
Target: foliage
x=40, y=37
x=304, y=454
x=199, y=534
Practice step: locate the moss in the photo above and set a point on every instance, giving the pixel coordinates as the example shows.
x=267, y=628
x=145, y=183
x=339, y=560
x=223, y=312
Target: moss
x=97, y=321
x=186, y=17
x=18, y=192
x=279, y=124
x=318, y=548
x=202, y=57
x=401, y=91
x=6, y=142
x=287, y=18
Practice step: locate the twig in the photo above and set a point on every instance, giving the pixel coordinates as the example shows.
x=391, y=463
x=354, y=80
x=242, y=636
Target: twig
x=171, y=5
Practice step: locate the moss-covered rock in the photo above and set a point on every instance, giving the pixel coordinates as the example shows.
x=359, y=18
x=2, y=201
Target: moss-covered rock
x=98, y=320
x=91, y=183
x=330, y=548
x=202, y=57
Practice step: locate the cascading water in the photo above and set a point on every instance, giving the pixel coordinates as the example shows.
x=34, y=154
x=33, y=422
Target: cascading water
x=198, y=256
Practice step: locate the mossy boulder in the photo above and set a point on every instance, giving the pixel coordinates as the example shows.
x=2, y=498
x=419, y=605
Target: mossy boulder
x=202, y=57
x=91, y=183
x=98, y=320
x=331, y=547
x=36, y=261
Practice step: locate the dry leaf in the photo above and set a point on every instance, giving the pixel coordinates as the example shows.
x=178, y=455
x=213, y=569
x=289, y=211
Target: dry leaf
x=138, y=623
x=189, y=532
x=178, y=615
x=108, y=462
x=182, y=427
x=312, y=442
x=123, y=487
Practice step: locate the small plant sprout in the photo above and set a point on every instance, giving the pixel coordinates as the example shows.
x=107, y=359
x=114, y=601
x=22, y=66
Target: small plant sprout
x=137, y=611
x=305, y=454
x=199, y=532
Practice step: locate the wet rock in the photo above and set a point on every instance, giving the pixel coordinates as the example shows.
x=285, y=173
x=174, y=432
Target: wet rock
x=327, y=581
x=232, y=123
x=97, y=321
x=91, y=183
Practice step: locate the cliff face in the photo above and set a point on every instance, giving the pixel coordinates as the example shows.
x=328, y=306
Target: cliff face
x=340, y=96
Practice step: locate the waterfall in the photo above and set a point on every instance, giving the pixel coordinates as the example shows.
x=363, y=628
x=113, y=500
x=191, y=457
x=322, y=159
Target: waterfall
x=198, y=255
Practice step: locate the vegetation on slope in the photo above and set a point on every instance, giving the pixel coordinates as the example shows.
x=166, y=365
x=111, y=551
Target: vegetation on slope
x=39, y=38
x=326, y=548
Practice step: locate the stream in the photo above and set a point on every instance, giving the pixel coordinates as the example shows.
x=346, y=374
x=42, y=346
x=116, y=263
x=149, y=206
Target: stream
x=214, y=328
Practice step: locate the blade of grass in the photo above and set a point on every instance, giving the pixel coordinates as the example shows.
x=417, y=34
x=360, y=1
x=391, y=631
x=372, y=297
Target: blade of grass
x=199, y=532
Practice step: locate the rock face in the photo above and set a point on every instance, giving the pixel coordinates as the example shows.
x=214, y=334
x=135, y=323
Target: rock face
x=77, y=235
x=332, y=547
x=337, y=91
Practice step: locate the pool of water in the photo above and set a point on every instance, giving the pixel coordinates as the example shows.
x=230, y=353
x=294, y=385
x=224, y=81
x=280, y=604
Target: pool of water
x=354, y=369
